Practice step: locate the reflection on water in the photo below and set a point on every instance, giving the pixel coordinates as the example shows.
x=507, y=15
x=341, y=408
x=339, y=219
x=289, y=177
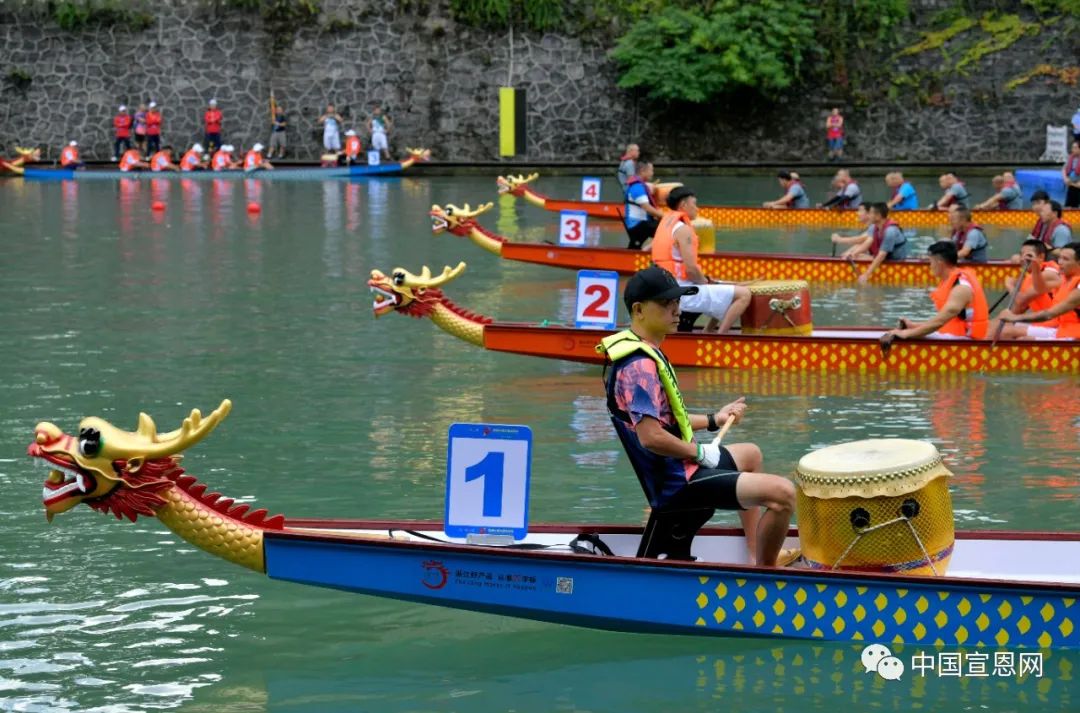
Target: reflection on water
x=108, y=310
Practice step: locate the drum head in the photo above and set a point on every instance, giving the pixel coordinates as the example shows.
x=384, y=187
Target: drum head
x=777, y=287
x=879, y=466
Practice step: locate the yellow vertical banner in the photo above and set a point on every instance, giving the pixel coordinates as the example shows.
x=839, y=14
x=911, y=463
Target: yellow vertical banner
x=507, y=122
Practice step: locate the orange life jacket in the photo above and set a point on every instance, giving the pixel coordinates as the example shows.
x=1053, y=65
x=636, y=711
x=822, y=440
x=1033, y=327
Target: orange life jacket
x=1045, y=300
x=980, y=314
x=252, y=160
x=69, y=155
x=159, y=161
x=190, y=161
x=664, y=250
x=129, y=160
x=1068, y=324
x=221, y=160
x=352, y=146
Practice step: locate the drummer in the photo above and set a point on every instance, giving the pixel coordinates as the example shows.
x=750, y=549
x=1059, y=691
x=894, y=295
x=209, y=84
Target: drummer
x=1062, y=319
x=959, y=298
x=657, y=432
x=675, y=248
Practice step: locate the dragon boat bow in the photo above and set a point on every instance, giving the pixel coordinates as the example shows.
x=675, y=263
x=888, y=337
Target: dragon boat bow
x=17, y=166
x=732, y=266
x=755, y=217
x=1015, y=589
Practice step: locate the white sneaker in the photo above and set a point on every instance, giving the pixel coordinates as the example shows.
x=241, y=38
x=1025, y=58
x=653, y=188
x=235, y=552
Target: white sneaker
x=115, y=159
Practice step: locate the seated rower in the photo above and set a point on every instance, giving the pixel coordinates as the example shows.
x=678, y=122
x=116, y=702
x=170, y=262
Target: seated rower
x=132, y=161
x=163, y=160
x=223, y=160
x=685, y=482
x=675, y=248
x=955, y=192
x=794, y=192
x=862, y=215
x=1062, y=319
x=1042, y=278
x=886, y=242
x=1037, y=199
x=69, y=156
x=848, y=193
x=254, y=161
x=1056, y=232
x=904, y=196
x=1007, y=194
x=959, y=298
x=193, y=159
x=970, y=240
x=641, y=215
x=353, y=148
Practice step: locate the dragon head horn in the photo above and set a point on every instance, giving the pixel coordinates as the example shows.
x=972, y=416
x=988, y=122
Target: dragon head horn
x=468, y=212
x=424, y=279
x=193, y=430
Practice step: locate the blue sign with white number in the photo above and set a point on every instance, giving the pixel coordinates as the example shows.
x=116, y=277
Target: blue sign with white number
x=487, y=479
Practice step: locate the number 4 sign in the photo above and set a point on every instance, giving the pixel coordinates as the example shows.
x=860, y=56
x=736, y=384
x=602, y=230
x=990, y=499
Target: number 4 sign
x=590, y=189
x=596, y=292
x=487, y=480
x=572, y=227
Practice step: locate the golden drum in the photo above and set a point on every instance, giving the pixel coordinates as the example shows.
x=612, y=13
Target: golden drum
x=778, y=307
x=879, y=505
x=706, y=233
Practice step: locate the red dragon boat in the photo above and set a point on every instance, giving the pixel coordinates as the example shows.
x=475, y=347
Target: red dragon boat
x=15, y=166
x=843, y=349
x=756, y=217
x=735, y=267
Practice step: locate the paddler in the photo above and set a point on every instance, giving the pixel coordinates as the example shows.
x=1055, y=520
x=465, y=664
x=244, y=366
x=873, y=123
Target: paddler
x=887, y=240
x=69, y=156
x=1070, y=175
x=1062, y=319
x=794, y=192
x=132, y=161
x=961, y=304
x=1007, y=194
x=353, y=147
x=904, y=196
x=855, y=243
x=627, y=165
x=848, y=193
x=641, y=216
x=1056, y=232
x=223, y=159
x=675, y=248
x=657, y=432
x=254, y=161
x=970, y=240
x=955, y=192
x=1042, y=278
x=162, y=160
x=193, y=159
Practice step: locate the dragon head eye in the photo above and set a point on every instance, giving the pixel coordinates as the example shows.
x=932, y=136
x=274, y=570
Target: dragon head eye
x=89, y=442
x=449, y=210
x=399, y=278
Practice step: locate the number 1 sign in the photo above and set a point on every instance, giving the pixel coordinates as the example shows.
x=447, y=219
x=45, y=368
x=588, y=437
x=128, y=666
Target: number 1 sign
x=590, y=189
x=596, y=292
x=487, y=480
x=572, y=225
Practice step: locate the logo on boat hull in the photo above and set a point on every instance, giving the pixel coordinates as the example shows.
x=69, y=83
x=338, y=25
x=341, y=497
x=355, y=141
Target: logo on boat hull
x=435, y=575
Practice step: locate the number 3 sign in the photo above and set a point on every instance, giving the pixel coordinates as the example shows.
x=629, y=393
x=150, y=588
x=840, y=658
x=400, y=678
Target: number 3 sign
x=487, y=480
x=596, y=292
x=572, y=228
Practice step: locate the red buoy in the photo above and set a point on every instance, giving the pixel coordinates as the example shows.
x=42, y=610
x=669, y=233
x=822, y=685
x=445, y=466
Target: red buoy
x=254, y=207
x=157, y=205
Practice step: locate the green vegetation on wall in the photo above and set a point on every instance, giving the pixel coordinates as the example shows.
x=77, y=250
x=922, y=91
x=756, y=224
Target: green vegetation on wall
x=81, y=14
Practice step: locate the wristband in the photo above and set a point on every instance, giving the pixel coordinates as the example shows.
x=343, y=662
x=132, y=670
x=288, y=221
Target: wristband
x=699, y=453
x=712, y=423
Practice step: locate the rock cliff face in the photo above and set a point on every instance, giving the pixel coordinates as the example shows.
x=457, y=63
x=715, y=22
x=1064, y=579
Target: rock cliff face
x=439, y=82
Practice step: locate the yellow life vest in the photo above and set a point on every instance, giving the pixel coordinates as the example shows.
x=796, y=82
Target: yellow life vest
x=622, y=344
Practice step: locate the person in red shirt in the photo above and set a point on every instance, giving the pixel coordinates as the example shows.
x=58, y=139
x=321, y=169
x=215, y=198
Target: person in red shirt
x=193, y=160
x=212, y=120
x=132, y=161
x=163, y=160
x=834, y=135
x=69, y=156
x=352, y=147
x=122, y=126
x=153, y=129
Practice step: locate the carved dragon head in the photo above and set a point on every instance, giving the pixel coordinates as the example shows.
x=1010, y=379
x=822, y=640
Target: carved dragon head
x=115, y=470
x=515, y=184
x=458, y=221
x=28, y=155
x=419, y=154
x=404, y=292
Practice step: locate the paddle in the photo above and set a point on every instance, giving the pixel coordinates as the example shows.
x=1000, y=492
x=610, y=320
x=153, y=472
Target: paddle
x=854, y=269
x=999, y=300
x=1001, y=323
x=724, y=429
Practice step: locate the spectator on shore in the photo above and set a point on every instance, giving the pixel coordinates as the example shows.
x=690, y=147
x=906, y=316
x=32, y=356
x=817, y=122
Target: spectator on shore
x=834, y=135
x=331, y=121
x=122, y=129
x=379, y=127
x=140, y=129
x=153, y=129
x=212, y=121
x=1007, y=194
x=794, y=192
x=69, y=156
x=1070, y=173
x=628, y=165
x=903, y=193
x=277, y=132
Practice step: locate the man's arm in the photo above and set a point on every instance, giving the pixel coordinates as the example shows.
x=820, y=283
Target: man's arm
x=878, y=259
x=682, y=237
x=1069, y=303
x=653, y=436
x=860, y=248
x=990, y=202
x=1042, y=282
x=959, y=298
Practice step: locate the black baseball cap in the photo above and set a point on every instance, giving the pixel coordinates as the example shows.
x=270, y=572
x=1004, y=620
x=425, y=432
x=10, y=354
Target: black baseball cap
x=1040, y=196
x=654, y=283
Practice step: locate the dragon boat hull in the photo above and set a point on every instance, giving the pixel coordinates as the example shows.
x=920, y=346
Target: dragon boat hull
x=831, y=349
x=278, y=174
x=1003, y=588
x=753, y=266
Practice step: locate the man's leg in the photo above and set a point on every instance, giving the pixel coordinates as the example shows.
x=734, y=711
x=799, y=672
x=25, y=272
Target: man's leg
x=775, y=493
x=1072, y=197
x=739, y=304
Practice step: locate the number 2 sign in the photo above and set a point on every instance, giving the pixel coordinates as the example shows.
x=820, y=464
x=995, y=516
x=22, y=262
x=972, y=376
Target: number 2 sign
x=487, y=480
x=590, y=189
x=572, y=225
x=596, y=293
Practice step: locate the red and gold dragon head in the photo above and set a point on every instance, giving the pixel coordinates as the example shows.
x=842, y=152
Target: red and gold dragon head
x=419, y=154
x=515, y=185
x=459, y=221
x=414, y=295
x=115, y=470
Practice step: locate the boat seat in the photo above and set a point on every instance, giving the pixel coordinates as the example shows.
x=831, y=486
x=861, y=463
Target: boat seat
x=671, y=533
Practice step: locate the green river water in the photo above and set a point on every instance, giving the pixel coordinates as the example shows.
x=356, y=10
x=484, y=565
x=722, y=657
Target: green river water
x=109, y=309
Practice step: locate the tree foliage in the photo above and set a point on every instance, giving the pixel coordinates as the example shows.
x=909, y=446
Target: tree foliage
x=695, y=54
x=538, y=15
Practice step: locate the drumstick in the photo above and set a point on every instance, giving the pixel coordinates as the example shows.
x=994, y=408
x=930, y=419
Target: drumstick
x=727, y=424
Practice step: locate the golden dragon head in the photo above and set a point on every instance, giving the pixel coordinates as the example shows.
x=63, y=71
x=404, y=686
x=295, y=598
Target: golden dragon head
x=115, y=470
x=28, y=155
x=458, y=221
x=407, y=293
x=419, y=154
x=515, y=184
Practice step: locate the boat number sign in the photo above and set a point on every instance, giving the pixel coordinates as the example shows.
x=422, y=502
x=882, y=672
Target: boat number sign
x=487, y=480
x=596, y=294
x=590, y=189
x=373, y=158
x=572, y=225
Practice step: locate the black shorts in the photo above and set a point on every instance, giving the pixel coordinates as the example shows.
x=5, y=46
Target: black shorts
x=710, y=488
x=641, y=232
